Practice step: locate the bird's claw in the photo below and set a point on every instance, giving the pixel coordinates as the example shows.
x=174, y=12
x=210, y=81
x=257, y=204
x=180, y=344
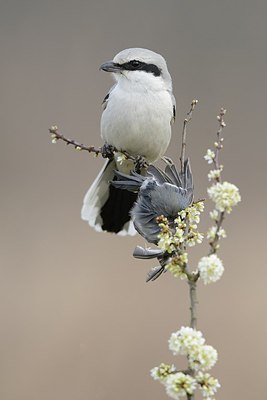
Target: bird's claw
x=108, y=151
x=139, y=163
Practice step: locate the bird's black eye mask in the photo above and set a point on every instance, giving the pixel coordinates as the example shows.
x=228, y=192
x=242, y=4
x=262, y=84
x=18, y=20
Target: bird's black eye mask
x=136, y=65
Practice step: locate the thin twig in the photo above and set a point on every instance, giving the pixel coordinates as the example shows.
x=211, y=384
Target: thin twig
x=218, y=146
x=105, y=151
x=56, y=136
x=192, y=282
x=186, y=121
x=219, y=143
x=193, y=302
x=214, y=243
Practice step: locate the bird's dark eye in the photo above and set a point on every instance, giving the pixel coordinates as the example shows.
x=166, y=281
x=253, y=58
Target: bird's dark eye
x=135, y=63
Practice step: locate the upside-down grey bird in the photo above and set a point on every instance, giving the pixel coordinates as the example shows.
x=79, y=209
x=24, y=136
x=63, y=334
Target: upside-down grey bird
x=159, y=193
x=137, y=116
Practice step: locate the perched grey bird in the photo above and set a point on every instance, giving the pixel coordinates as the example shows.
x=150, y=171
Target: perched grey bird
x=137, y=116
x=159, y=193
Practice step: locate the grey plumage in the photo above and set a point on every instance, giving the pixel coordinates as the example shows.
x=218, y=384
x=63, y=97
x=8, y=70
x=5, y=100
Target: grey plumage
x=160, y=193
x=147, y=254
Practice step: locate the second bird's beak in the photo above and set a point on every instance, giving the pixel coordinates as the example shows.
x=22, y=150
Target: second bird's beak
x=110, y=66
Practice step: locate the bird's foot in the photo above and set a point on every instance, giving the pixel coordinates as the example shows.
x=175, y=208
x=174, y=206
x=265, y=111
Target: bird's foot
x=108, y=151
x=140, y=163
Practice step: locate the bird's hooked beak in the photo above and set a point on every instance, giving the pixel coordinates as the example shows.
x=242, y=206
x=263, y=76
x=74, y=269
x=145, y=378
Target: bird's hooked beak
x=110, y=66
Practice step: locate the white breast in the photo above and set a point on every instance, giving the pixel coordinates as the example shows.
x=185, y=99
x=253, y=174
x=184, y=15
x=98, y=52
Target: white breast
x=138, y=121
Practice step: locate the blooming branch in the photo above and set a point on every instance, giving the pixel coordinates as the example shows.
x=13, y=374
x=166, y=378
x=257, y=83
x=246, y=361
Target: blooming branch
x=225, y=195
x=174, y=237
x=201, y=357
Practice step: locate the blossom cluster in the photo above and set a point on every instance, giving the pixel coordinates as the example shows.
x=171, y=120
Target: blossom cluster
x=53, y=135
x=177, y=265
x=175, y=236
x=210, y=268
x=190, y=342
x=225, y=196
x=214, y=231
x=215, y=174
x=210, y=156
x=202, y=357
x=183, y=231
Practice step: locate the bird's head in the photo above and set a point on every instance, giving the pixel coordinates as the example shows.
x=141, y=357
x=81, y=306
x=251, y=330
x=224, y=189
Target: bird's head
x=140, y=67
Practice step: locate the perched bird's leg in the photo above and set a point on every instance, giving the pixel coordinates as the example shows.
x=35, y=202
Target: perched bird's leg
x=140, y=163
x=108, y=151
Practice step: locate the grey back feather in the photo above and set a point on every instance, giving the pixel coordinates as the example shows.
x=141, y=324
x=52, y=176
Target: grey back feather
x=160, y=193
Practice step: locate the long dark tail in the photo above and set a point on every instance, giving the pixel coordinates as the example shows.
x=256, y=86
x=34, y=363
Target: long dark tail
x=115, y=213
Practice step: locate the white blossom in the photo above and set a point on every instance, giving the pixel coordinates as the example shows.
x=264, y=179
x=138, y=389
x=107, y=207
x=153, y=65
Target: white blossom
x=185, y=340
x=210, y=155
x=221, y=233
x=120, y=158
x=177, y=265
x=166, y=242
x=214, y=174
x=162, y=372
x=194, y=238
x=199, y=205
x=185, y=229
x=179, y=385
x=203, y=358
x=211, y=234
x=225, y=195
x=214, y=214
x=208, y=384
x=210, y=268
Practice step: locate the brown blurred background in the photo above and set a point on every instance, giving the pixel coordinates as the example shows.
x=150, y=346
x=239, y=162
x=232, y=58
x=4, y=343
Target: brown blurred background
x=78, y=320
